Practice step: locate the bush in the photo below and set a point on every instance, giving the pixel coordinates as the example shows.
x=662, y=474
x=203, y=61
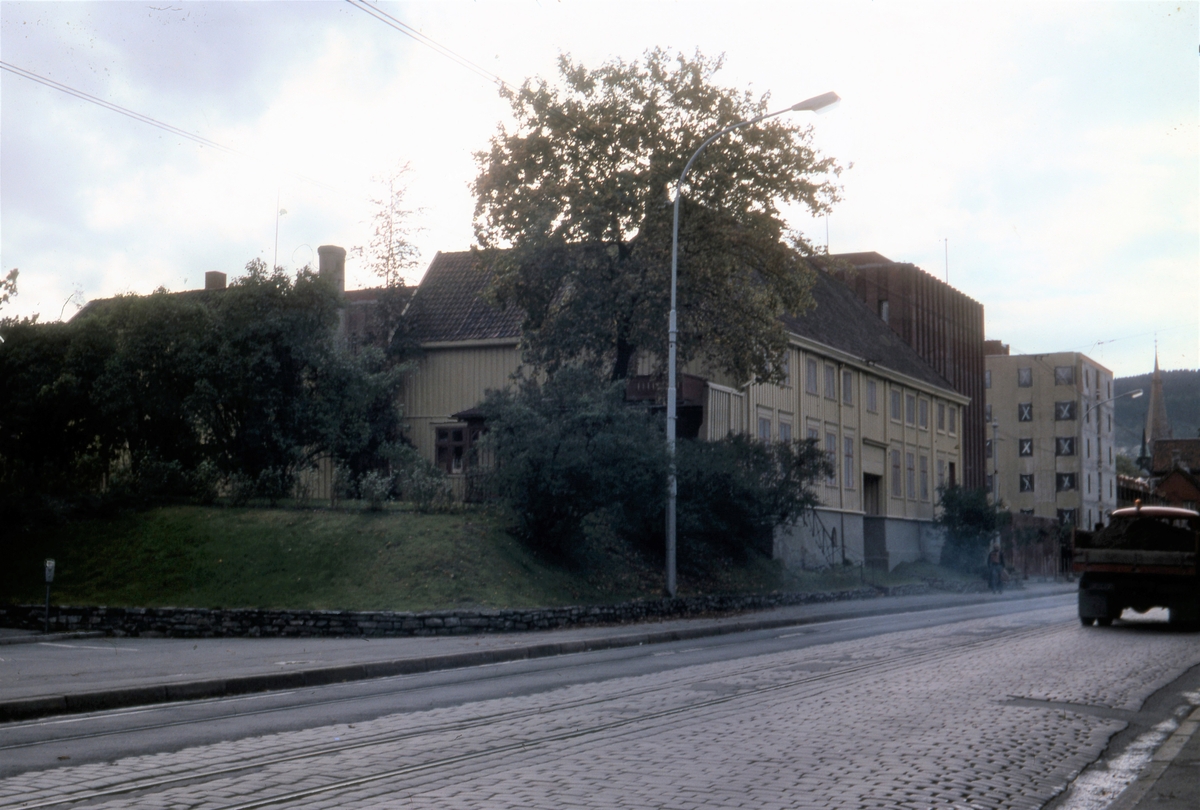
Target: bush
x=570, y=448
x=734, y=493
x=970, y=524
x=375, y=487
x=573, y=457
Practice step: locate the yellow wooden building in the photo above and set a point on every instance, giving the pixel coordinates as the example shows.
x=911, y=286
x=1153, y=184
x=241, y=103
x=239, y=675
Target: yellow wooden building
x=890, y=423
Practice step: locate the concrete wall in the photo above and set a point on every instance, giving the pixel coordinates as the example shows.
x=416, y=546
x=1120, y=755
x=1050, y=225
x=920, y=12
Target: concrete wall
x=811, y=543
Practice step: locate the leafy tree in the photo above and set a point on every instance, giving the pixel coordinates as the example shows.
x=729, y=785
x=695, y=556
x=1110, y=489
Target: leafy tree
x=970, y=524
x=570, y=448
x=8, y=286
x=734, y=493
x=1127, y=466
x=570, y=452
x=579, y=191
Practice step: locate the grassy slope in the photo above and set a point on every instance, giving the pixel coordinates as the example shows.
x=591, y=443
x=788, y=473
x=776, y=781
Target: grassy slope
x=244, y=557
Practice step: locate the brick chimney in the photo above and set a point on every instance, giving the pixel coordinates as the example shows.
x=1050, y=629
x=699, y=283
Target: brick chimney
x=214, y=280
x=333, y=265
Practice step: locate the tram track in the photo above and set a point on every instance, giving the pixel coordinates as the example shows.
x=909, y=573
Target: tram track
x=833, y=678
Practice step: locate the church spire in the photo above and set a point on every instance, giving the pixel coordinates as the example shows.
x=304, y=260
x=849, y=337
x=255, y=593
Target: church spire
x=1157, y=425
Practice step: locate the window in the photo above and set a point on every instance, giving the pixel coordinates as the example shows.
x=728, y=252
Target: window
x=896, y=487
x=987, y=378
x=987, y=414
x=830, y=382
x=987, y=448
x=923, y=414
x=924, y=478
x=764, y=429
x=1066, y=517
x=1027, y=482
x=941, y=473
x=953, y=414
x=1065, y=375
x=883, y=309
x=1110, y=461
x=1088, y=448
x=1109, y=389
x=895, y=405
x=786, y=368
x=911, y=474
x=1064, y=482
x=1064, y=411
x=1025, y=412
x=1025, y=377
x=831, y=456
x=910, y=408
x=1089, y=484
x=847, y=387
x=1110, y=423
x=1024, y=447
x=785, y=432
x=453, y=444
x=872, y=396
x=953, y=474
x=848, y=461
x=813, y=434
x=810, y=374
x=941, y=416
x=1064, y=446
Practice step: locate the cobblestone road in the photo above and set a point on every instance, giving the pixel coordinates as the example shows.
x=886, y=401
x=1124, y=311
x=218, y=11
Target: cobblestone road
x=994, y=713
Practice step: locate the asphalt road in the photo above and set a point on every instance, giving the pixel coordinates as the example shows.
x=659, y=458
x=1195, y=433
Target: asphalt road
x=989, y=705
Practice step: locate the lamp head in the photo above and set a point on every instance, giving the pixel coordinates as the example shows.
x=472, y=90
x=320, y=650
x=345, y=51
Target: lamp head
x=1136, y=394
x=818, y=104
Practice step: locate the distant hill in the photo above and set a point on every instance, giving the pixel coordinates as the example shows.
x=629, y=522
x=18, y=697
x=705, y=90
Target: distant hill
x=1181, y=391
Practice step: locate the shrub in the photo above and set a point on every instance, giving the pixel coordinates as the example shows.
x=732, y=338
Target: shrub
x=572, y=455
x=970, y=524
x=734, y=493
x=375, y=487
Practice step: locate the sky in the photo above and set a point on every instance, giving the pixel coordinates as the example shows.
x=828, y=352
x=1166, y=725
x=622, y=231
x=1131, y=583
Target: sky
x=1042, y=157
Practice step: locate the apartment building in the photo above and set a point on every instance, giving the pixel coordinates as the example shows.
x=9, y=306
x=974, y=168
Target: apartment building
x=1050, y=435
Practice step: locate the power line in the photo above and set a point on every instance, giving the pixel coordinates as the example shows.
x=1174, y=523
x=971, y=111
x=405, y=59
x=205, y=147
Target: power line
x=409, y=31
x=137, y=116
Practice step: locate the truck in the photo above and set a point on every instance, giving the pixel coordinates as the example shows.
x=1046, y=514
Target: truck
x=1144, y=558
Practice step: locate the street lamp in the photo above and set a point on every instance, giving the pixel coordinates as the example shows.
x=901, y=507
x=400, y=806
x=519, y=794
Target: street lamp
x=815, y=104
x=1131, y=394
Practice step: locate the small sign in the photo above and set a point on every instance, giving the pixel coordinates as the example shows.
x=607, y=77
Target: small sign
x=49, y=570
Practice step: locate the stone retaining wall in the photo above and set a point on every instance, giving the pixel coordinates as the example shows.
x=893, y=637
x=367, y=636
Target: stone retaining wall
x=202, y=623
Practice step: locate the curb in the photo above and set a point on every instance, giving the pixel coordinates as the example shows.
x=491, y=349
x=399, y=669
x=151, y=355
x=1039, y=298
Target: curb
x=125, y=697
x=39, y=638
x=1162, y=759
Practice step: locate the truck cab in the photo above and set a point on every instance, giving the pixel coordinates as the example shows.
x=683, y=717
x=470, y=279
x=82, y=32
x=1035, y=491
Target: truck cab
x=1145, y=558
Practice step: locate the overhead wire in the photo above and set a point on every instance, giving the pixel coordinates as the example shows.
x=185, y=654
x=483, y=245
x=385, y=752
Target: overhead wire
x=141, y=117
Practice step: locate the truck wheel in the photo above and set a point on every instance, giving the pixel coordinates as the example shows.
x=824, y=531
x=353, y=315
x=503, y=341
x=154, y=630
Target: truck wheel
x=1105, y=622
x=1085, y=622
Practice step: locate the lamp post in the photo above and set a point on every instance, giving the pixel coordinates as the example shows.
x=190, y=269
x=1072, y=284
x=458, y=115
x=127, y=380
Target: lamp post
x=814, y=104
x=1131, y=394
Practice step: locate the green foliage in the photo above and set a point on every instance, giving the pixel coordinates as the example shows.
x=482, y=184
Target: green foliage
x=1127, y=466
x=8, y=286
x=146, y=398
x=970, y=524
x=572, y=458
x=735, y=492
x=569, y=449
x=580, y=192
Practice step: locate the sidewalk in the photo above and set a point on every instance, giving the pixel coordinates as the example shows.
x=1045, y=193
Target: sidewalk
x=56, y=675
x=1172, y=779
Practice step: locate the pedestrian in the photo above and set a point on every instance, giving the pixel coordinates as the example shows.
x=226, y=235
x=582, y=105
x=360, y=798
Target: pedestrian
x=996, y=570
